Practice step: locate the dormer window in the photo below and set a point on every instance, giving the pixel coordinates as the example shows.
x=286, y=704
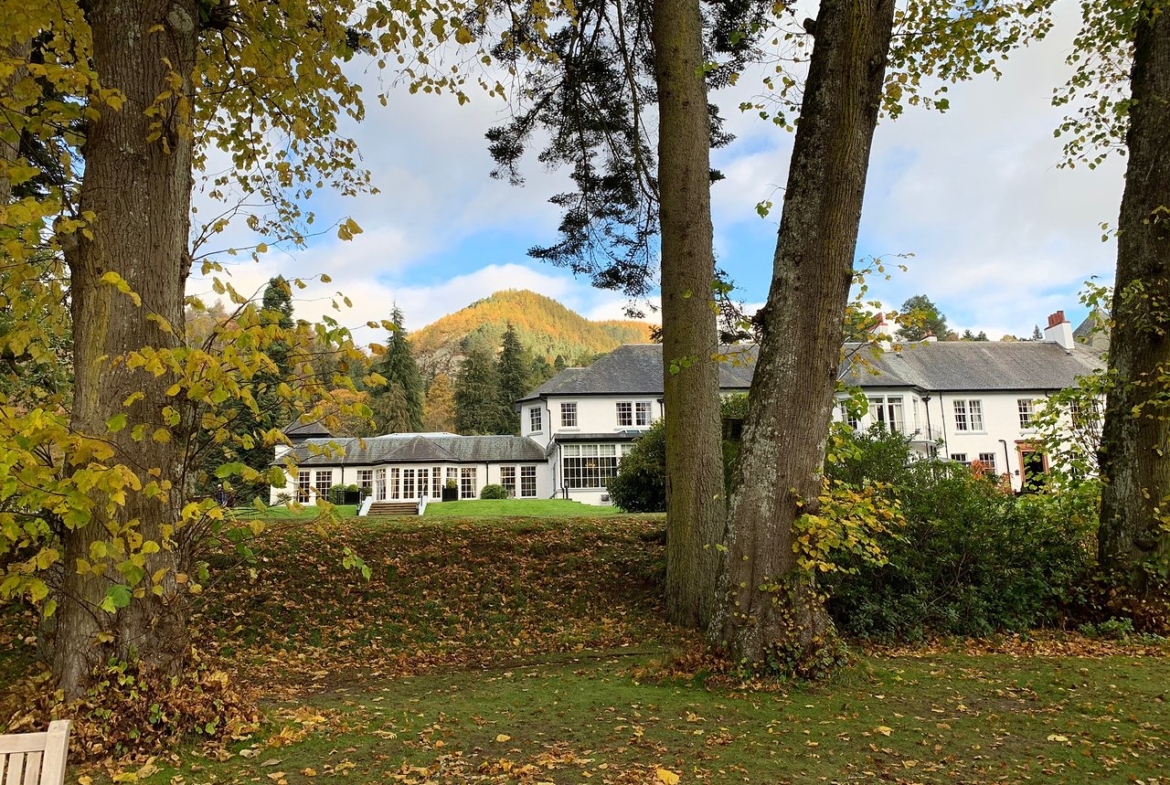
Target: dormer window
x=534, y=419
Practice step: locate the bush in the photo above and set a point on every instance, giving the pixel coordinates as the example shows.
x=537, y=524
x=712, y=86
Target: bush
x=640, y=485
x=972, y=558
x=337, y=493
x=493, y=492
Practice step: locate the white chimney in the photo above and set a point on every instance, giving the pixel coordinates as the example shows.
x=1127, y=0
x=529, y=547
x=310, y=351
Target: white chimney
x=1059, y=331
x=879, y=332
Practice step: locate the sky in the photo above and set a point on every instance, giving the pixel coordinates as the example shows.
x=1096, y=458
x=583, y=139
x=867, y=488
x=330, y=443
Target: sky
x=991, y=228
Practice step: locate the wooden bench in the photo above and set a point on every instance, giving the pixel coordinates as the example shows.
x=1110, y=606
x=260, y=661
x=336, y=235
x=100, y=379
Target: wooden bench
x=35, y=758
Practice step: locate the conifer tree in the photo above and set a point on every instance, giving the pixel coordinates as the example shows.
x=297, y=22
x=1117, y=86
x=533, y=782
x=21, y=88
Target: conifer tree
x=514, y=375
x=401, y=372
x=477, y=394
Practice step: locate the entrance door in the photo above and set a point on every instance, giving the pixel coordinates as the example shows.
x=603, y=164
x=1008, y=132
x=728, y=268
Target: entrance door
x=1033, y=470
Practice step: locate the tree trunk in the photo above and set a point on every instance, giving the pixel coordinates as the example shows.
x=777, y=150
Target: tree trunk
x=769, y=613
x=140, y=192
x=1136, y=433
x=695, y=505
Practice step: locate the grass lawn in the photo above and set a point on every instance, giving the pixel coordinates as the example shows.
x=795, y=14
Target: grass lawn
x=516, y=508
x=529, y=651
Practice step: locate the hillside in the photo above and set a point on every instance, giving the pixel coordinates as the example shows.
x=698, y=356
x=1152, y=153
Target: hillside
x=545, y=327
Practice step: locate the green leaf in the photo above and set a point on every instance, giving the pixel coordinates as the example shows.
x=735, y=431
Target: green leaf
x=228, y=469
x=116, y=423
x=117, y=596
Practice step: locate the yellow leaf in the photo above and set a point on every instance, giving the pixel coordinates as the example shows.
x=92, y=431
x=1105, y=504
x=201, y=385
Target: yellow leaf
x=1057, y=737
x=503, y=737
x=884, y=730
x=667, y=777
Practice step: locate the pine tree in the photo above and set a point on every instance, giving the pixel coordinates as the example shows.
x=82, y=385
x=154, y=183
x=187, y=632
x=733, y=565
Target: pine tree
x=401, y=372
x=477, y=394
x=514, y=375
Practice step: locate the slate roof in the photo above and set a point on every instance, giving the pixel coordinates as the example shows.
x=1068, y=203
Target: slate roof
x=636, y=369
x=942, y=366
x=306, y=430
x=973, y=366
x=417, y=448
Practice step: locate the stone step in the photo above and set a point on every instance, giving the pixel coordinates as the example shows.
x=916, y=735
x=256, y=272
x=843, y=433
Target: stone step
x=393, y=508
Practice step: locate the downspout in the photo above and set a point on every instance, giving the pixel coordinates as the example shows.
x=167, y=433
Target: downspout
x=929, y=430
x=1007, y=461
x=943, y=410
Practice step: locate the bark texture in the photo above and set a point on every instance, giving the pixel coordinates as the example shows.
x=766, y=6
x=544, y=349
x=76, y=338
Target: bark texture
x=769, y=614
x=140, y=191
x=696, y=506
x=1136, y=434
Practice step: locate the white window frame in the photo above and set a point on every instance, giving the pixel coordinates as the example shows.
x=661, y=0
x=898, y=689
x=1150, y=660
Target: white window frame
x=527, y=482
x=508, y=480
x=569, y=415
x=988, y=460
x=304, y=486
x=625, y=414
x=322, y=482
x=534, y=419
x=1027, y=411
x=589, y=467
x=643, y=413
x=467, y=482
x=968, y=415
x=889, y=411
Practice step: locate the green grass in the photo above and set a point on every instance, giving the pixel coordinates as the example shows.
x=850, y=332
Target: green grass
x=522, y=650
x=517, y=508
x=937, y=719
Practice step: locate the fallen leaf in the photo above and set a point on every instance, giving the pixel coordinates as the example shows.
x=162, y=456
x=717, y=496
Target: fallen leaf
x=503, y=737
x=884, y=730
x=667, y=777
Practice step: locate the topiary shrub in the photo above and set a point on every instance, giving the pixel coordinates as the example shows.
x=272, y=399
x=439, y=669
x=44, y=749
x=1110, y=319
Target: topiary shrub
x=493, y=492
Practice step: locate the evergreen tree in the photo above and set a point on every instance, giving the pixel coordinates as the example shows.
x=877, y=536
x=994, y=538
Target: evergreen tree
x=1036, y=334
x=920, y=318
x=477, y=394
x=276, y=309
x=401, y=409
x=513, y=370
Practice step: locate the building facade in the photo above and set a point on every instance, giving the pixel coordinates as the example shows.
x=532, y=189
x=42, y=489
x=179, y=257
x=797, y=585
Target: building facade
x=963, y=401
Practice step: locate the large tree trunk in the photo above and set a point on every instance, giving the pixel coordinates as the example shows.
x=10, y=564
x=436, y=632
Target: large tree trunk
x=694, y=480
x=769, y=612
x=140, y=192
x=1136, y=433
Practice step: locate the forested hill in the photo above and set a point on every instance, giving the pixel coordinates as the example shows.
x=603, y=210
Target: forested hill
x=545, y=328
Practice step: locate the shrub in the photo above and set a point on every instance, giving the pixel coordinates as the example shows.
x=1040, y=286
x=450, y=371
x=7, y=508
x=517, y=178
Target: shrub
x=493, y=492
x=640, y=485
x=337, y=493
x=972, y=558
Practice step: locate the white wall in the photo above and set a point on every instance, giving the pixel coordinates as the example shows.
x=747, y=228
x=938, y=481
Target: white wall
x=1001, y=421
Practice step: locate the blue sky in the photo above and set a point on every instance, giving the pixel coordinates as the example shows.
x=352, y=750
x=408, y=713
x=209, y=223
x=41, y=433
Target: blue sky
x=1000, y=235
